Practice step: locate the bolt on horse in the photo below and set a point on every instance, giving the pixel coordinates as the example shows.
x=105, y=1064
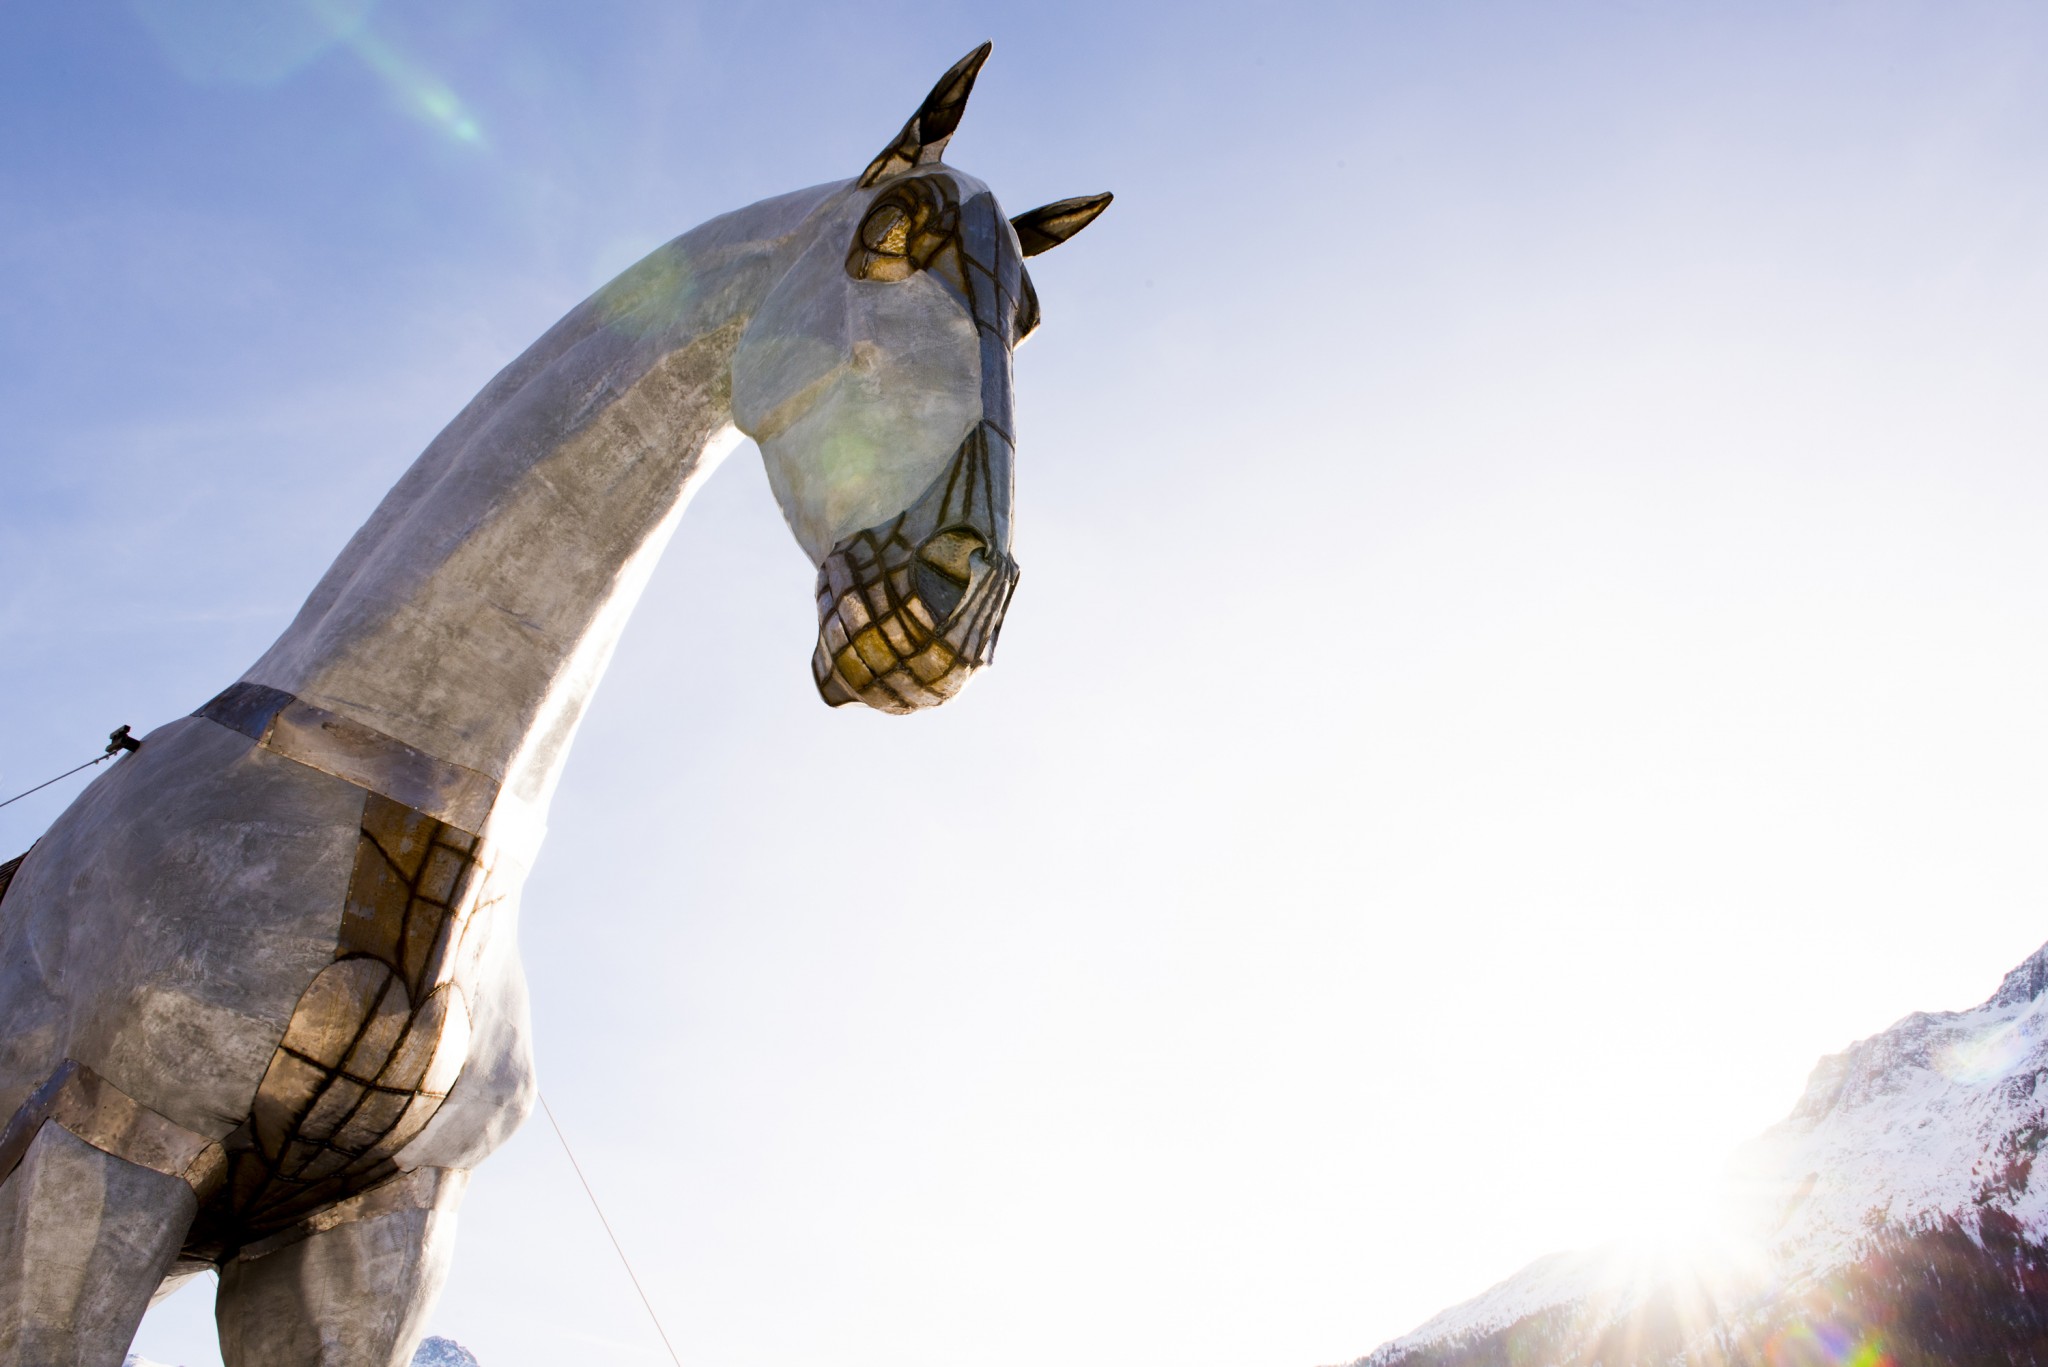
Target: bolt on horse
x=261, y=1007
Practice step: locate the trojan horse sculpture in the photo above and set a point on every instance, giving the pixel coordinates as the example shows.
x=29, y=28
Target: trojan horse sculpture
x=261, y=1006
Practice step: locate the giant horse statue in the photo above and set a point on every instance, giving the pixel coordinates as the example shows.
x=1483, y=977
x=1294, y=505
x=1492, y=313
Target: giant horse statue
x=261, y=1006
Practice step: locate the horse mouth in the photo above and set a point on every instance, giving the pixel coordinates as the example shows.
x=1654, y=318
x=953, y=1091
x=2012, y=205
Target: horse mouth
x=902, y=627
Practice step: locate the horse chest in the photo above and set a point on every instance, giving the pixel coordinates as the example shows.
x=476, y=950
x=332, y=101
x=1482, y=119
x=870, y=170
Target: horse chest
x=377, y=1039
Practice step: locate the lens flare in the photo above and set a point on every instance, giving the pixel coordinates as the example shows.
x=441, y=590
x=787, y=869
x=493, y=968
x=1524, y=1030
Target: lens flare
x=419, y=92
x=257, y=43
x=264, y=43
x=1807, y=1345
x=1987, y=1057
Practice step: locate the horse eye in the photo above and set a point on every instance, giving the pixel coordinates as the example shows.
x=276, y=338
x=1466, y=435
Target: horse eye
x=881, y=250
x=902, y=231
x=886, y=230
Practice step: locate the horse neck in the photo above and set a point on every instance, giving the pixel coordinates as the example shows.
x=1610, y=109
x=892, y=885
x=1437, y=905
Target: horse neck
x=473, y=615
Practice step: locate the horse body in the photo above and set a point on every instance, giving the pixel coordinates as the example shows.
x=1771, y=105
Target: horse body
x=261, y=1007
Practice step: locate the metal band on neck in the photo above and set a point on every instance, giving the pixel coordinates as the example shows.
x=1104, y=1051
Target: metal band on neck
x=359, y=754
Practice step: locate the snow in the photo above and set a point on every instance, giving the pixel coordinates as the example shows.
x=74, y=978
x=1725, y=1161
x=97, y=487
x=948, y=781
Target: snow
x=1554, y=1280
x=1937, y=1116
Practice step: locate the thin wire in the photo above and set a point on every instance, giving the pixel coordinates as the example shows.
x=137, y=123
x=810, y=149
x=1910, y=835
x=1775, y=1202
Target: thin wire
x=616, y=1246
x=66, y=774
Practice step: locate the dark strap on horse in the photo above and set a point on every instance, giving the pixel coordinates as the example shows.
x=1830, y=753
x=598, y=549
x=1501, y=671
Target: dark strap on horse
x=7, y=872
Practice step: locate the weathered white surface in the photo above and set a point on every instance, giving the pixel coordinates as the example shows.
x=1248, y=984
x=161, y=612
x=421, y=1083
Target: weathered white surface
x=357, y=1293
x=496, y=1091
x=164, y=926
x=84, y=1239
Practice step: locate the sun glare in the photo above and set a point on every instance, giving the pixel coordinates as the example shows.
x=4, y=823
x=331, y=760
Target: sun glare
x=1689, y=1238
x=1682, y=1219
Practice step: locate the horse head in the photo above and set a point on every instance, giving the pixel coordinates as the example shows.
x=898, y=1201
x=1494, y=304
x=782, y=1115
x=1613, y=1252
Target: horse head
x=875, y=377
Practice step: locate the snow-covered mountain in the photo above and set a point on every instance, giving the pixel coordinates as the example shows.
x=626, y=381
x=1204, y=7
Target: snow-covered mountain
x=1889, y=1221
x=433, y=1352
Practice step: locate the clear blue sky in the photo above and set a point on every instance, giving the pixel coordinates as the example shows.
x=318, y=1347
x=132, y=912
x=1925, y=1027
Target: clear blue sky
x=1534, y=621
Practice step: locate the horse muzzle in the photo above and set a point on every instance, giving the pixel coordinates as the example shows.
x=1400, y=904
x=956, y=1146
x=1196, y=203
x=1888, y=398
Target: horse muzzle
x=903, y=626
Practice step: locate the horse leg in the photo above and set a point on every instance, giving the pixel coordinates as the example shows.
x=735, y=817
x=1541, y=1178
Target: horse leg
x=348, y=1287
x=85, y=1238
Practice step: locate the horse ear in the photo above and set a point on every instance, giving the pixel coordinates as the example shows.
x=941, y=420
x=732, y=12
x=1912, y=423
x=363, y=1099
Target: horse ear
x=1042, y=229
x=923, y=139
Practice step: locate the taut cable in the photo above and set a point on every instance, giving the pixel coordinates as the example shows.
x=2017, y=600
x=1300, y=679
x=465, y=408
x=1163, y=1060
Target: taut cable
x=119, y=742
x=617, y=1247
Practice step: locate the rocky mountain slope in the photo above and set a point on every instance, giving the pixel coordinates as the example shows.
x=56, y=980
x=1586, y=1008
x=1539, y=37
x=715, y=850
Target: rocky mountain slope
x=1890, y=1221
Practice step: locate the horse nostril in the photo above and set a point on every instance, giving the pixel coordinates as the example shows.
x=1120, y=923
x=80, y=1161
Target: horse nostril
x=940, y=592
x=946, y=568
